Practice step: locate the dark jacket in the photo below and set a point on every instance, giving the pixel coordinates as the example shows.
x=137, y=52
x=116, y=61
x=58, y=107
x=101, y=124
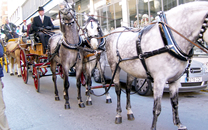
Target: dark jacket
x=1, y=55
x=37, y=23
x=23, y=29
x=12, y=26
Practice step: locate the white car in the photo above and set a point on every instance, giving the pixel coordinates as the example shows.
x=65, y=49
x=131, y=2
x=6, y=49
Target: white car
x=194, y=79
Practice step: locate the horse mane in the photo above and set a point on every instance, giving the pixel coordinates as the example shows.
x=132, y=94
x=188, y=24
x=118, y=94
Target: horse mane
x=191, y=6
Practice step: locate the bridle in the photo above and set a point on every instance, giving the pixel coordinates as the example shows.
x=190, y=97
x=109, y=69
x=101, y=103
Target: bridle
x=90, y=20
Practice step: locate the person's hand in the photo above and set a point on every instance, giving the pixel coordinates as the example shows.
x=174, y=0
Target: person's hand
x=40, y=29
x=48, y=27
x=10, y=31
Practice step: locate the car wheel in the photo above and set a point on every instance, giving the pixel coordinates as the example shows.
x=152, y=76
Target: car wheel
x=142, y=87
x=96, y=75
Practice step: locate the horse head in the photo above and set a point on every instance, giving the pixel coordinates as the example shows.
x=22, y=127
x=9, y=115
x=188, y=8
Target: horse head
x=67, y=13
x=93, y=32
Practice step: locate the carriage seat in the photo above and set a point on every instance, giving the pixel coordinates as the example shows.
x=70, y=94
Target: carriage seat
x=56, y=27
x=24, y=39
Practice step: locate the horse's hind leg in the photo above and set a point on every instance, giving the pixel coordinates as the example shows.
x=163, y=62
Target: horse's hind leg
x=18, y=65
x=128, y=102
x=174, y=102
x=108, y=97
x=158, y=92
x=53, y=70
x=11, y=65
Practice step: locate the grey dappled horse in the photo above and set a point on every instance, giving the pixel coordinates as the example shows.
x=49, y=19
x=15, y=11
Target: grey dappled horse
x=63, y=49
x=191, y=21
x=93, y=30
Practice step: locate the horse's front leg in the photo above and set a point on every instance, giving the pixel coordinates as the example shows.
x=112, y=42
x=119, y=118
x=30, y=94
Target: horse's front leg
x=88, y=87
x=78, y=77
x=130, y=115
x=108, y=97
x=53, y=70
x=66, y=86
x=158, y=92
x=118, y=119
x=174, y=102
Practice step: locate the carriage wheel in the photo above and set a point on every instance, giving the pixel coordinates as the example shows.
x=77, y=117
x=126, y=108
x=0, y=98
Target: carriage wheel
x=6, y=63
x=36, y=77
x=60, y=71
x=23, y=66
x=82, y=79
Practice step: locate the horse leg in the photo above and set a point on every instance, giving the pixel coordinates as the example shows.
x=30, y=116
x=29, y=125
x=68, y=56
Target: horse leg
x=174, y=102
x=158, y=92
x=18, y=66
x=130, y=115
x=118, y=119
x=78, y=77
x=88, y=86
x=53, y=70
x=66, y=85
x=11, y=65
x=108, y=97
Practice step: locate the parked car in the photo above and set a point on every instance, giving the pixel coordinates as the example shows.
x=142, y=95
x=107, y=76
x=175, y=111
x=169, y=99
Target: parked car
x=195, y=79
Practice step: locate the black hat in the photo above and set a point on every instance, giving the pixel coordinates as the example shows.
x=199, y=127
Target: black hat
x=40, y=9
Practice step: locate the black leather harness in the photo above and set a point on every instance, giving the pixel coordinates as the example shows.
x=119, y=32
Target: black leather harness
x=170, y=46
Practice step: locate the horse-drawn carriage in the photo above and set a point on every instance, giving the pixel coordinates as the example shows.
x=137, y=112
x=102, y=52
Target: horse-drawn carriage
x=158, y=46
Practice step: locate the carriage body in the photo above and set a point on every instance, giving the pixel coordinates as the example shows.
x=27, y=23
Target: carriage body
x=34, y=58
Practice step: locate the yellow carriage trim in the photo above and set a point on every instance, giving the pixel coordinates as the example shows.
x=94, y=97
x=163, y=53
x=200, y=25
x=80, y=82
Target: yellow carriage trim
x=38, y=49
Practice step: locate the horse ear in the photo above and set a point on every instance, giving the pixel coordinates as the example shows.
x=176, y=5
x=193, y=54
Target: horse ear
x=85, y=16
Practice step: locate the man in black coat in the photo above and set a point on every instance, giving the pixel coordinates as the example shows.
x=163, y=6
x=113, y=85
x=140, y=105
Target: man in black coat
x=10, y=30
x=40, y=23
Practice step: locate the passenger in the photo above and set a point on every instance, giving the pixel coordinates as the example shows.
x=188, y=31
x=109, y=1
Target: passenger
x=40, y=23
x=10, y=30
x=29, y=28
x=24, y=28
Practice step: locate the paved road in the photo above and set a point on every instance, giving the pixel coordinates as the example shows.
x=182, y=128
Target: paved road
x=28, y=110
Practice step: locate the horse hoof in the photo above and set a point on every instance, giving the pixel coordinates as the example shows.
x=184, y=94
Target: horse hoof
x=19, y=76
x=118, y=120
x=108, y=100
x=130, y=117
x=11, y=74
x=88, y=103
x=15, y=73
x=57, y=98
x=81, y=105
x=67, y=106
x=182, y=127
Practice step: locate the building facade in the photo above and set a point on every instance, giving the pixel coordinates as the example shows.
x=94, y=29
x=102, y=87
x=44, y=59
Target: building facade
x=3, y=11
x=110, y=13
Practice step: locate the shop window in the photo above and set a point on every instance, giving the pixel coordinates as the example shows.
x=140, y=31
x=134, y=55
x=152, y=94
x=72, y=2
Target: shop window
x=143, y=13
x=118, y=14
x=168, y=4
x=133, y=13
x=155, y=6
x=185, y=1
